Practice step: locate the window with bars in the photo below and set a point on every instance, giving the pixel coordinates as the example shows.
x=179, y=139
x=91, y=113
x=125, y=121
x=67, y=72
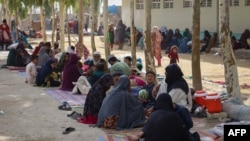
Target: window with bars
x=247, y=2
x=187, y=3
x=168, y=4
x=139, y=4
x=156, y=4
x=206, y=3
x=234, y=2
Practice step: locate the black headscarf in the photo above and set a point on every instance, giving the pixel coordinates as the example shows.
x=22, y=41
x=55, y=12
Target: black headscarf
x=164, y=124
x=174, y=78
x=164, y=101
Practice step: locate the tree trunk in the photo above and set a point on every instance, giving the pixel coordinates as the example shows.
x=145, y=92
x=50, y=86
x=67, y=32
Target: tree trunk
x=98, y=16
x=53, y=23
x=149, y=58
x=196, y=69
x=231, y=72
x=106, y=33
x=31, y=16
x=67, y=25
x=132, y=33
x=4, y=9
x=92, y=14
x=16, y=18
x=6, y=12
x=42, y=16
x=62, y=23
x=80, y=27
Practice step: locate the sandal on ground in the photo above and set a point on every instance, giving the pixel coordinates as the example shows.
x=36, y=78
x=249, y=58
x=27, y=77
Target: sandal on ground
x=74, y=112
x=68, y=130
x=65, y=107
x=61, y=107
x=74, y=115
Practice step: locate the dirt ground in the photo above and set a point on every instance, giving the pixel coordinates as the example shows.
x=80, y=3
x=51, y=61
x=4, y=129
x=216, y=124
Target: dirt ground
x=32, y=115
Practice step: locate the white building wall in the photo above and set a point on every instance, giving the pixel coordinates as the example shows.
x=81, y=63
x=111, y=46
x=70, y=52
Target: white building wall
x=179, y=17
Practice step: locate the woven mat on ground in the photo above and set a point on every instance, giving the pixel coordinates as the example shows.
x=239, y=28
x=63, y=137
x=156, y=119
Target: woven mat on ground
x=114, y=135
x=15, y=68
x=208, y=135
x=66, y=96
x=22, y=74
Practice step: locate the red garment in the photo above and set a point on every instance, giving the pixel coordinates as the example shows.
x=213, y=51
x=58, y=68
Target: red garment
x=37, y=49
x=89, y=119
x=4, y=33
x=173, y=57
x=156, y=40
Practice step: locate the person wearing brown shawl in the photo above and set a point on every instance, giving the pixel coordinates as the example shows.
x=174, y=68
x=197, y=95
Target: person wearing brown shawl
x=94, y=99
x=120, y=109
x=71, y=73
x=163, y=124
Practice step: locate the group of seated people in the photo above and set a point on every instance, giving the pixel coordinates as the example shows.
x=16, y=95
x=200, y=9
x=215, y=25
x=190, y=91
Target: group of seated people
x=184, y=43
x=110, y=102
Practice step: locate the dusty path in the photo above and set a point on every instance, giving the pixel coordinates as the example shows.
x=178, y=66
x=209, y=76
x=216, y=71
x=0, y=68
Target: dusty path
x=32, y=115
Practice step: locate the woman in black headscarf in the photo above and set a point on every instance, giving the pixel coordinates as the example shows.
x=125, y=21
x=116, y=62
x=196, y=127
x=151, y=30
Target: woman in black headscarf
x=163, y=124
x=177, y=86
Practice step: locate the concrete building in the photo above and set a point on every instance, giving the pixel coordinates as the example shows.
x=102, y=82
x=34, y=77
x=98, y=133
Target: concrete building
x=178, y=14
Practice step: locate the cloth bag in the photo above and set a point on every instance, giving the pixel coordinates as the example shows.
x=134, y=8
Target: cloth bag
x=82, y=85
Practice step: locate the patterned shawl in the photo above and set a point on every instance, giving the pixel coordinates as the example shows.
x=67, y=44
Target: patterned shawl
x=122, y=103
x=96, y=95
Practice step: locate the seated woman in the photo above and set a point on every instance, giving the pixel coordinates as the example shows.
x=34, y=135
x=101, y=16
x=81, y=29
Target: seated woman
x=62, y=63
x=46, y=76
x=243, y=39
x=18, y=53
x=212, y=42
x=170, y=40
x=94, y=99
x=20, y=59
x=43, y=57
x=205, y=41
x=177, y=35
x=97, y=73
x=71, y=73
x=120, y=109
x=163, y=123
x=175, y=85
x=11, y=58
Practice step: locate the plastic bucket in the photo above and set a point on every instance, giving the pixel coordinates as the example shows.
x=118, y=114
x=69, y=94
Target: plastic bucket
x=200, y=97
x=213, y=103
